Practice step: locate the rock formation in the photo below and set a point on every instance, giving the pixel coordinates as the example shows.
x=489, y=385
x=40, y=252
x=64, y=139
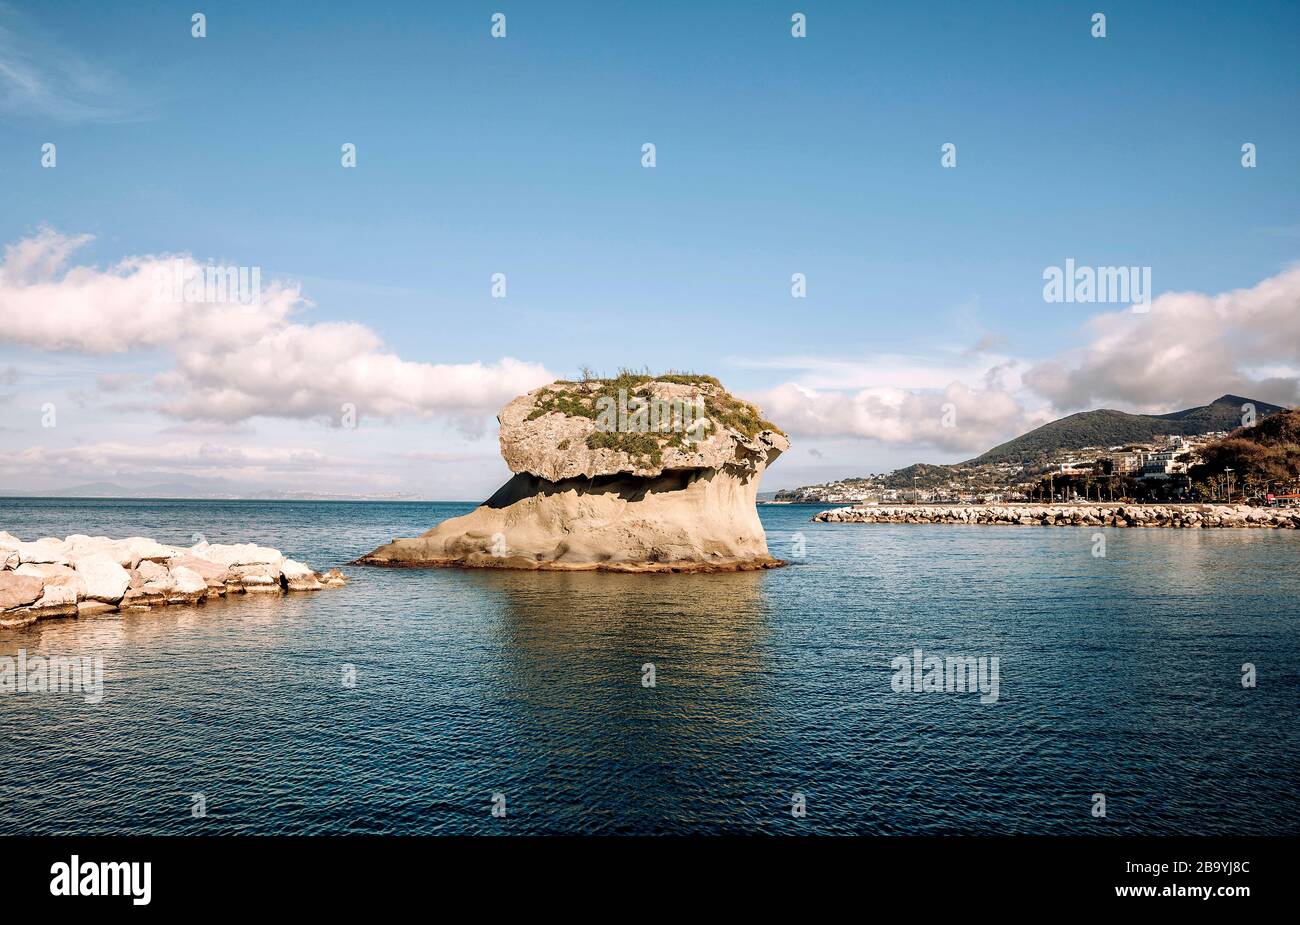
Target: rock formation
x=637, y=473
x=84, y=575
x=1185, y=516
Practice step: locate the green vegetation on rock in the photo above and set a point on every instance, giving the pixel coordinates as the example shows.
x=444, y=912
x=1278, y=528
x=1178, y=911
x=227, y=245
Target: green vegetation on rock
x=583, y=398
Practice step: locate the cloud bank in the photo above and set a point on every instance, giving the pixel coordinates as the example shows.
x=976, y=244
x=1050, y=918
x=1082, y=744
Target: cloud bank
x=956, y=418
x=231, y=361
x=1186, y=347
x=228, y=364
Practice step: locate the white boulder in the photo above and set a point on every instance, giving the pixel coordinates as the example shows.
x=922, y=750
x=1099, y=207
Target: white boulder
x=142, y=549
x=18, y=590
x=238, y=554
x=299, y=577
x=105, y=579
x=44, y=570
x=152, y=576
x=9, y=551
x=45, y=551
x=259, y=577
x=62, y=593
x=187, y=583
x=213, y=573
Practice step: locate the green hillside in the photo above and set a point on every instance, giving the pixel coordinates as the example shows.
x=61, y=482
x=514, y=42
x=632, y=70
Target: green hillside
x=1268, y=453
x=1114, y=428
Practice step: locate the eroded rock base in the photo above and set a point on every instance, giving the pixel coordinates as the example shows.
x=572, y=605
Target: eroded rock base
x=696, y=520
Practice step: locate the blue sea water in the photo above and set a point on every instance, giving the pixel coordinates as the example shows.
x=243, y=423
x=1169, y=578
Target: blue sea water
x=1118, y=675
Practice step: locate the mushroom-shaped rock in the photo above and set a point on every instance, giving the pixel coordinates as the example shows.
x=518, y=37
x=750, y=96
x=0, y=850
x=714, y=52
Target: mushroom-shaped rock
x=637, y=473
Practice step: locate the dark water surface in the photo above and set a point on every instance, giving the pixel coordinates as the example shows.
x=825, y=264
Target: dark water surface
x=1118, y=675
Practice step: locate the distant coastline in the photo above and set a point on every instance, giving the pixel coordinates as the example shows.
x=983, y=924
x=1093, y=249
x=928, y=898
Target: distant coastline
x=218, y=499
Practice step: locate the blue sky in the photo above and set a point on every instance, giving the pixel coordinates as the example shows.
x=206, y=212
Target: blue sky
x=775, y=155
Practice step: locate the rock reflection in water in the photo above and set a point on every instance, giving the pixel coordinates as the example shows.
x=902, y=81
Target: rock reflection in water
x=572, y=650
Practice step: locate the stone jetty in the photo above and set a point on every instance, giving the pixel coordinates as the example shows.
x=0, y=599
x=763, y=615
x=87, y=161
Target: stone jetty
x=1185, y=516
x=87, y=575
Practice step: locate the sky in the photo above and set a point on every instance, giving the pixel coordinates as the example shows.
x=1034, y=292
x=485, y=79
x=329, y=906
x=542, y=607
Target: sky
x=378, y=355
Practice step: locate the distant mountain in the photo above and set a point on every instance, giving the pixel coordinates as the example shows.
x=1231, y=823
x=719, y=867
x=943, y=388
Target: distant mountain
x=88, y=490
x=216, y=488
x=1114, y=428
x=212, y=490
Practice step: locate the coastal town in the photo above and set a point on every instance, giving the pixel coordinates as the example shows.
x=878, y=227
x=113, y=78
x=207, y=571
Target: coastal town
x=1163, y=469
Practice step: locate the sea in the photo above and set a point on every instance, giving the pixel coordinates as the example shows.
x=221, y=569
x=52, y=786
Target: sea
x=1161, y=676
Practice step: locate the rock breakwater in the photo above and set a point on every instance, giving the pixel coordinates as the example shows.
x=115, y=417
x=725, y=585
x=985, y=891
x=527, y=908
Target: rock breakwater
x=87, y=575
x=1184, y=516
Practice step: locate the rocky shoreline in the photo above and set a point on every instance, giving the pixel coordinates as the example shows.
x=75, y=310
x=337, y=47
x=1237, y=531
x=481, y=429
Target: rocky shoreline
x=88, y=575
x=1186, y=516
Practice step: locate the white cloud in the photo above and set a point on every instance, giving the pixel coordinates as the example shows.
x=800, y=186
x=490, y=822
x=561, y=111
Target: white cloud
x=41, y=78
x=958, y=400
x=879, y=371
x=190, y=455
x=39, y=256
x=955, y=418
x=234, y=362
x=343, y=464
x=1187, y=349
x=193, y=458
x=226, y=367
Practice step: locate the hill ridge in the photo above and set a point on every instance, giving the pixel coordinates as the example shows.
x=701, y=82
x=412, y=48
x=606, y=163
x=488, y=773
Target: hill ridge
x=1108, y=427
